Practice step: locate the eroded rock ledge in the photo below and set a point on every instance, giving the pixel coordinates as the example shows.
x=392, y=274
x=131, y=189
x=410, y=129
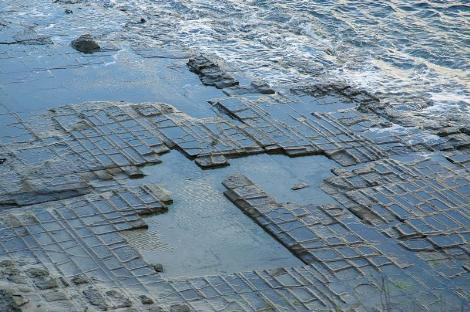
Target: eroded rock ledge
x=396, y=239
x=355, y=255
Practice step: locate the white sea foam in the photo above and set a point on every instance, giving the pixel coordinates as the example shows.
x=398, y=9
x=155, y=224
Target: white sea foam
x=412, y=55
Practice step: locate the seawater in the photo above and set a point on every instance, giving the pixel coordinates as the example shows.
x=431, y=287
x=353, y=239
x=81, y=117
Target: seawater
x=413, y=54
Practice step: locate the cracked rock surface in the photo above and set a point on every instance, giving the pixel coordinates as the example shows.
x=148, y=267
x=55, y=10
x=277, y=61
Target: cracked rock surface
x=82, y=148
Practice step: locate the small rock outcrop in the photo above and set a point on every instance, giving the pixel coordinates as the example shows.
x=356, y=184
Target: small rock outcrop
x=299, y=186
x=262, y=87
x=158, y=267
x=210, y=73
x=86, y=44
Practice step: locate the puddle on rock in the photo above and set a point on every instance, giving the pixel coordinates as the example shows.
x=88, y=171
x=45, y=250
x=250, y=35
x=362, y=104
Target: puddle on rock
x=74, y=78
x=204, y=233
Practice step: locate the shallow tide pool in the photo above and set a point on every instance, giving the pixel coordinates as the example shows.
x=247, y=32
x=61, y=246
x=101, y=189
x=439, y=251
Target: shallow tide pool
x=204, y=233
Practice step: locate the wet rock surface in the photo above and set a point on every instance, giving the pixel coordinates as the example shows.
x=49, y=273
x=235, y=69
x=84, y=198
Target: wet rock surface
x=422, y=204
x=393, y=238
x=12, y=34
x=210, y=73
x=7, y=302
x=333, y=240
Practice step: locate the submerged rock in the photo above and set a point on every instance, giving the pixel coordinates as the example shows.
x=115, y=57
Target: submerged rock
x=86, y=44
x=179, y=308
x=299, y=186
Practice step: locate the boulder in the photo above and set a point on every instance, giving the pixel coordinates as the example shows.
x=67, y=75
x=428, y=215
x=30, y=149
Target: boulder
x=86, y=44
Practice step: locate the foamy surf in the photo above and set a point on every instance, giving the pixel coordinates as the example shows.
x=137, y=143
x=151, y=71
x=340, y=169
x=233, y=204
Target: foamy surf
x=402, y=52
